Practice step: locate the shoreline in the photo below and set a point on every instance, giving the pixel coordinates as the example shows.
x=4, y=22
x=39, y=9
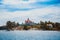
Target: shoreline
x=31, y=30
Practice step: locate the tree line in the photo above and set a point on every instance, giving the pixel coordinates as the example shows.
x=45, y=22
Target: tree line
x=42, y=25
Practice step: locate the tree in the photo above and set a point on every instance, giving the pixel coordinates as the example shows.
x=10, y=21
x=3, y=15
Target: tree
x=42, y=25
x=25, y=27
x=18, y=24
x=9, y=25
x=57, y=26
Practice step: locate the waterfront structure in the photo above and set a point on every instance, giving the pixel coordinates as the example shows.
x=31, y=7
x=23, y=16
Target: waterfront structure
x=29, y=22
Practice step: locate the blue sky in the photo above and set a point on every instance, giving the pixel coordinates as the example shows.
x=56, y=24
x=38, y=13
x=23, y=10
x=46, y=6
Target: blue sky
x=36, y=10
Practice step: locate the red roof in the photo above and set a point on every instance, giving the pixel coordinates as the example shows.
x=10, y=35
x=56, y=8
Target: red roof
x=28, y=21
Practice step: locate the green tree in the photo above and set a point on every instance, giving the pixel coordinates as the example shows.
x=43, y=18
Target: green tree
x=25, y=27
x=42, y=25
x=9, y=25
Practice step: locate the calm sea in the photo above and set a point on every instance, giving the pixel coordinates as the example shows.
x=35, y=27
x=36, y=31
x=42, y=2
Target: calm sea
x=29, y=35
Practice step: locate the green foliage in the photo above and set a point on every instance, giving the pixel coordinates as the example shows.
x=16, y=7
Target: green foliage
x=11, y=25
x=42, y=25
x=25, y=27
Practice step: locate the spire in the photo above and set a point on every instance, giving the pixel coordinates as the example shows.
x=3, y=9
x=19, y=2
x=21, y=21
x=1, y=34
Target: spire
x=28, y=21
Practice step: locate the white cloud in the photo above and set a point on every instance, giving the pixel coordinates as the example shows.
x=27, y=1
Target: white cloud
x=44, y=0
x=20, y=4
x=17, y=2
x=31, y=13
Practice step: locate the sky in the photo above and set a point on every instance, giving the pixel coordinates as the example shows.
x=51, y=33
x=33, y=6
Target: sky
x=35, y=10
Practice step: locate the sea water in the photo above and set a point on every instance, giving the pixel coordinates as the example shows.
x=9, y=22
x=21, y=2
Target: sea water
x=29, y=35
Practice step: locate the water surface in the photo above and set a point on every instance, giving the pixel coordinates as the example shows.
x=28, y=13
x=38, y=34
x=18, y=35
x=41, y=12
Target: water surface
x=29, y=35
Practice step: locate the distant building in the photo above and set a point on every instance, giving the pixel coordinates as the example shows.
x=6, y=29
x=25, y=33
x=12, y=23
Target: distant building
x=50, y=25
x=29, y=22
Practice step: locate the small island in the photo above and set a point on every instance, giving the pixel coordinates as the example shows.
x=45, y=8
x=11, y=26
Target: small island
x=29, y=25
